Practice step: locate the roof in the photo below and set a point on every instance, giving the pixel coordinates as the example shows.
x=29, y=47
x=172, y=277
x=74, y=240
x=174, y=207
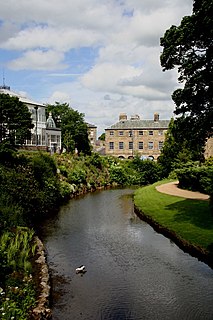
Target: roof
x=140, y=124
x=90, y=125
x=6, y=90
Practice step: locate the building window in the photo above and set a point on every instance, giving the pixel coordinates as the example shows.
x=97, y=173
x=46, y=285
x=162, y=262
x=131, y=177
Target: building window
x=140, y=133
x=150, y=145
x=121, y=133
x=160, y=145
x=160, y=132
x=130, y=145
x=111, y=145
x=140, y=145
x=150, y=133
x=130, y=133
x=121, y=145
x=111, y=133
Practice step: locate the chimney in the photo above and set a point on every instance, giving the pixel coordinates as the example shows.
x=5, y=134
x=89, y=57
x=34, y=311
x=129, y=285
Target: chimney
x=135, y=117
x=122, y=117
x=156, y=117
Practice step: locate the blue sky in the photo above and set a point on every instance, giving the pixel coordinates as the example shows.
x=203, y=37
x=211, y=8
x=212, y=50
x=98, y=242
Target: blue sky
x=101, y=57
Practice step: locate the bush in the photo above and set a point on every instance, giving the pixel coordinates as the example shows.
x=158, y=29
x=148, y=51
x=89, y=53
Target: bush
x=150, y=171
x=196, y=178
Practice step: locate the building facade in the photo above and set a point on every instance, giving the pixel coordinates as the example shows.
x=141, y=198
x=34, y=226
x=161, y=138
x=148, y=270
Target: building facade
x=92, y=135
x=128, y=138
x=40, y=134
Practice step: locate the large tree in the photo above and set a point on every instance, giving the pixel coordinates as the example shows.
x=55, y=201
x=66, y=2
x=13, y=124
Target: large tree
x=15, y=120
x=189, y=47
x=175, y=150
x=73, y=127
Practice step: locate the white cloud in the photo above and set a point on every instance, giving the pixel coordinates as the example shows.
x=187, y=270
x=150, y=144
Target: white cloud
x=38, y=60
x=122, y=73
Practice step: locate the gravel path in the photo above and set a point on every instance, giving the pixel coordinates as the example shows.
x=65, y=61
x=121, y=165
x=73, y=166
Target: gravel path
x=172, y=189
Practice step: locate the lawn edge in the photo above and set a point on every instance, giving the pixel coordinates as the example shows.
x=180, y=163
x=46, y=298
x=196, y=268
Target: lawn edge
x=195, y=251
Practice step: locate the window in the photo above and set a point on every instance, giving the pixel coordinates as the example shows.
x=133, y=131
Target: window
x=160, y=132
x=130, y=133
x=121, y=145
x=140, y=145
x=150, y=145
x=130, y=145
x=160, y=145
x=140, y=133
x=150, y=133
x=111, y=145
x=111, y=133
x=121, y=133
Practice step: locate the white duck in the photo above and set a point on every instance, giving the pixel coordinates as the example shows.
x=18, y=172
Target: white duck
x=81, y=269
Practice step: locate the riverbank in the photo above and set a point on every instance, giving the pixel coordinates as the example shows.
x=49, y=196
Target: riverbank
x=187, y=222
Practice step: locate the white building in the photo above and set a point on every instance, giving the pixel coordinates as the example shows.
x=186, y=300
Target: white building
x=43, y=136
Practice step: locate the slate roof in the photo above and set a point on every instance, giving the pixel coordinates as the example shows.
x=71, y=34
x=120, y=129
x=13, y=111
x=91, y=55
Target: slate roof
x=140, y=124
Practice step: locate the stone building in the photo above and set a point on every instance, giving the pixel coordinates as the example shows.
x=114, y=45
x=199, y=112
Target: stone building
x=92, y=134
x=134, y=136
x=42, y=136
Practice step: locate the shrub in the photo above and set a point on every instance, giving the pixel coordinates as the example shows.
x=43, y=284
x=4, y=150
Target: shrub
x=77, y=176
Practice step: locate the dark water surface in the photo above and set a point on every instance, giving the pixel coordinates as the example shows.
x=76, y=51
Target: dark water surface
x=132, y=272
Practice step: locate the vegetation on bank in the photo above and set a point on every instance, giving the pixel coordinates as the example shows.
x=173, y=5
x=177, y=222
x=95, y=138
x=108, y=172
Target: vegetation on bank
x=191, y=220
x=32, y=186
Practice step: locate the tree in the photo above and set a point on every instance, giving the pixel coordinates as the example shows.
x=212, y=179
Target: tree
x=190, y=48
x=73, y=127
x=102, y=137
x=175, y=150
x=15, y=120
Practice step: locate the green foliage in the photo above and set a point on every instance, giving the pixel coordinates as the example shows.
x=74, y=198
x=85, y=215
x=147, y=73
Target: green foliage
x=102, y=137
x=73, y=128
x=29, y=189
x=189, y=47
x=17, y=249
x=18, y=299
x=77, y=176
x=17, y=290
x=95, y=160
x=118, y=174
x=175, y=153
x=196, y=178
x=15, y=120
x=148, y=170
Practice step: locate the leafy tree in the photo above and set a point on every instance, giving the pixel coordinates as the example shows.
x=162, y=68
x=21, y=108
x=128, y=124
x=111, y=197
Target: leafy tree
x=15, y=120
x=102, y=137
x=73, y=127
x=190, y=48
x=175, y=151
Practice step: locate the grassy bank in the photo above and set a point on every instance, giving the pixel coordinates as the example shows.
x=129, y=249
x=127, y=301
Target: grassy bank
x=190, y=220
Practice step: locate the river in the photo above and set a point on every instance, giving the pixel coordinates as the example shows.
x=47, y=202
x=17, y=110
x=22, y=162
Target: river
x=132, y=272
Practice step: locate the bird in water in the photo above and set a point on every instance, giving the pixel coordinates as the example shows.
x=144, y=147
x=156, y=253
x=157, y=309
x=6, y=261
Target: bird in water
x=81, y=269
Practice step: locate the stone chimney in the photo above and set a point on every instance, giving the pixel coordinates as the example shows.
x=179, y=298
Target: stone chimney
x=156, y=117
x=135, y=117
x=122, y=117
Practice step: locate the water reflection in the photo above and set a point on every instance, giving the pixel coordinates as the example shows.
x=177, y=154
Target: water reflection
x=132, y=272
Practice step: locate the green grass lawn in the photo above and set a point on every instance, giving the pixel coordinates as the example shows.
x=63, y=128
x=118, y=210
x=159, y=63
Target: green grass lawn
x=189, y=219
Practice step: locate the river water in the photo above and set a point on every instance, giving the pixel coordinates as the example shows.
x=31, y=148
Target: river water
x=132, y=272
